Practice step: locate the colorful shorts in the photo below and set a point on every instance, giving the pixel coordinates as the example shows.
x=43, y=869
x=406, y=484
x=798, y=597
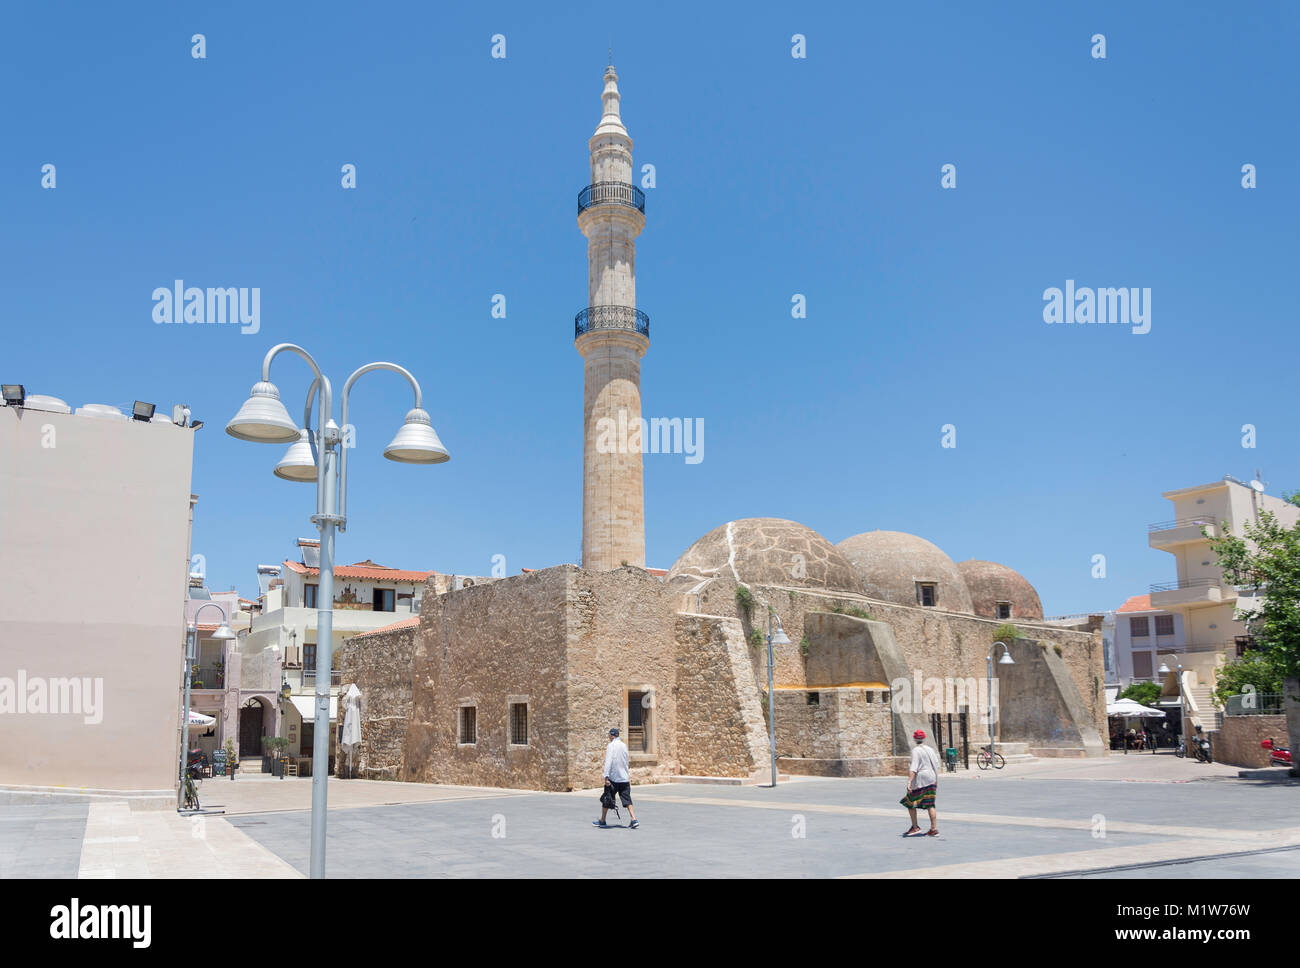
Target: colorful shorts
x=922, y=797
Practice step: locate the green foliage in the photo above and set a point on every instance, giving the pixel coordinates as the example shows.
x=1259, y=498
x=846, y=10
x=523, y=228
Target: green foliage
x=1058, y=650
x=804, y=645
x=230, y=750
x=1007, y=633
x=1260, y=670
x=841, y=609
x=1267, y=558
x=273, y=745
x=745, y=599
x=755, y=638
x=1144, y=692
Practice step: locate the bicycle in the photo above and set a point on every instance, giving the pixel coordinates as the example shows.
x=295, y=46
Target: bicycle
x=984, y=760
x=191, y=788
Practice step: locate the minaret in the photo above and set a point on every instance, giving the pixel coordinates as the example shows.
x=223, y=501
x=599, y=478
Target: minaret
x=612, y=336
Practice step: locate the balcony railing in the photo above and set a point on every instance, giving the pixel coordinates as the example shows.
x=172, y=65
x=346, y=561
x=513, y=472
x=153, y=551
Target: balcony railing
x=611, y=317
x=1170, y=586
x=617, y=193
x=208, y=677
x=1201, y=519
x=309, y=677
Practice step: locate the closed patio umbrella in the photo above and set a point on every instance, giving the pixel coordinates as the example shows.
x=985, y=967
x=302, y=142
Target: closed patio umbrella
x=351, y=722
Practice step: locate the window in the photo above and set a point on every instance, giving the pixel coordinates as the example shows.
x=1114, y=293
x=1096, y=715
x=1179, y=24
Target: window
x=306, y=743
x=1164, y=625
x=814, y=699
x=384, y=600
x=309, y=596
x=468, y=725
x=638, y=722
x=927, y=593
x=519, y=724
x=1244, y=644
x=1004, y=609
x=1138, y=628
x=309, y=656
x=1142, y=665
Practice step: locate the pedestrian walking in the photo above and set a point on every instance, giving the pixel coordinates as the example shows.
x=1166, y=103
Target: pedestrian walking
x=617, y=782
x=922, y=785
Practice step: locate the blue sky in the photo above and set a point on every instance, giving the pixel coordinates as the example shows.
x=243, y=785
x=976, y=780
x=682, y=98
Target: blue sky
x=775, y=176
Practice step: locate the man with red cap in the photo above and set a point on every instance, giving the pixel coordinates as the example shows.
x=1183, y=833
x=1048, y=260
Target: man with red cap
x=922, y=783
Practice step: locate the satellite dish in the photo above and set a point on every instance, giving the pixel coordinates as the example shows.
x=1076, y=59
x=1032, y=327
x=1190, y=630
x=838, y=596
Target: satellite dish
x=1257, y=486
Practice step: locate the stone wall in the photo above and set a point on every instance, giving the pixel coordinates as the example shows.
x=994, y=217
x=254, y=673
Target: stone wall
x=721, y=730
x=1237, y=740
x=379, y=664
x=839, y=724
x=489, y=646
x=620, y=639
x=937, y=642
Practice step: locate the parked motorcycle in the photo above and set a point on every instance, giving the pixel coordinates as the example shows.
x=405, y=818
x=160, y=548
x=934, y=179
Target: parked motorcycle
x=1277, y=755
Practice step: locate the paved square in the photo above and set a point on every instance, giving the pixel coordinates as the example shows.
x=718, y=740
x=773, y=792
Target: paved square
x=1129, y=817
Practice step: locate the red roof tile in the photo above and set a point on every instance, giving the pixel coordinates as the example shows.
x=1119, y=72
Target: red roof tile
x=364, y=570
x=404, y=624
x=1138, y=603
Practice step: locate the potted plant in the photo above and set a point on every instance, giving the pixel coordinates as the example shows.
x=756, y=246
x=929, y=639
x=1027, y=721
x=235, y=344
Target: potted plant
x=272, y=756
x=232, y=758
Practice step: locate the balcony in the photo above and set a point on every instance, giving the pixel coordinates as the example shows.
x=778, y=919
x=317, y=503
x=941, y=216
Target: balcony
x=1168, y=534
x=1190, y=591
x=615, y=318
x=208, y=677
x=611, y=193
x=309, y=678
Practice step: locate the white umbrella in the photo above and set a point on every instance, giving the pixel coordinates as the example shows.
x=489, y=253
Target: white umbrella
x=1130, y=707
x=351, y=722
x=200, y=721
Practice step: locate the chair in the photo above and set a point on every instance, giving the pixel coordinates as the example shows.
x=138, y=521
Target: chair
x=290, y=766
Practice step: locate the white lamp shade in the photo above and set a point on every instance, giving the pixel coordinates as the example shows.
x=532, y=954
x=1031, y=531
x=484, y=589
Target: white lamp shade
x=263, y=419
x=417, y=442
x=1006, y=659
x=779, y=637
x=297, y=463
x=223, y=633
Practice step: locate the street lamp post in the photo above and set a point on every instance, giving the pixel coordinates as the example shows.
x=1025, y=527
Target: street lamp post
x=315, y=456
x=779, y=638
x=1004, y=660
x=222, y=634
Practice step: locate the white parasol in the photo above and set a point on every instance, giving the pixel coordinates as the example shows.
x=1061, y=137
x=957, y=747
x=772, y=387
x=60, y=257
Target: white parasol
x=1130, y=707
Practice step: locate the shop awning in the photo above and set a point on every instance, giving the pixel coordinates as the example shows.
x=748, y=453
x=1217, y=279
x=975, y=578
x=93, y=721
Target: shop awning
x=306, y=706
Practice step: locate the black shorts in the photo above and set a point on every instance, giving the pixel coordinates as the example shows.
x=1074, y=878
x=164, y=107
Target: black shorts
x=624, y=791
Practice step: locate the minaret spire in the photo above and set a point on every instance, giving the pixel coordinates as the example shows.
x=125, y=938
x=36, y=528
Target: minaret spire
x=612, y=335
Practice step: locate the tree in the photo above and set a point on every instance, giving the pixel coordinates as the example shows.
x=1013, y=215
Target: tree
x=1257, y=670
x=1266, y=559
x=1144, y=692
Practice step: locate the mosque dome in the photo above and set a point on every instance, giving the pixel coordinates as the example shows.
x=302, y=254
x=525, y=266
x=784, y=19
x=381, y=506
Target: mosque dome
x=907, y=570
x=768, y=551
x=990, y=583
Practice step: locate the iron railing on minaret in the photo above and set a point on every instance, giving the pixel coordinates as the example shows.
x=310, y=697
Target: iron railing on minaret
x=620, y=193
x=611, y=317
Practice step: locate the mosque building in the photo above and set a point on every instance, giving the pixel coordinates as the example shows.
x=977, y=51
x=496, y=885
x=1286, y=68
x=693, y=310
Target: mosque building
x=515, y=682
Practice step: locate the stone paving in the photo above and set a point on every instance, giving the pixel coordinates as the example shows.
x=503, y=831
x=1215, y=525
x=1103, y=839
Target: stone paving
x=1162, y=817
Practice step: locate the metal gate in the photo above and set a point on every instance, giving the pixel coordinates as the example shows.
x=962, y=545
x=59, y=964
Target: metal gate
x=957, y=730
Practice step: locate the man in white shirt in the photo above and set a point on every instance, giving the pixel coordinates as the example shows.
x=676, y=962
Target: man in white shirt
x=616, y=778
x=922, y=785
